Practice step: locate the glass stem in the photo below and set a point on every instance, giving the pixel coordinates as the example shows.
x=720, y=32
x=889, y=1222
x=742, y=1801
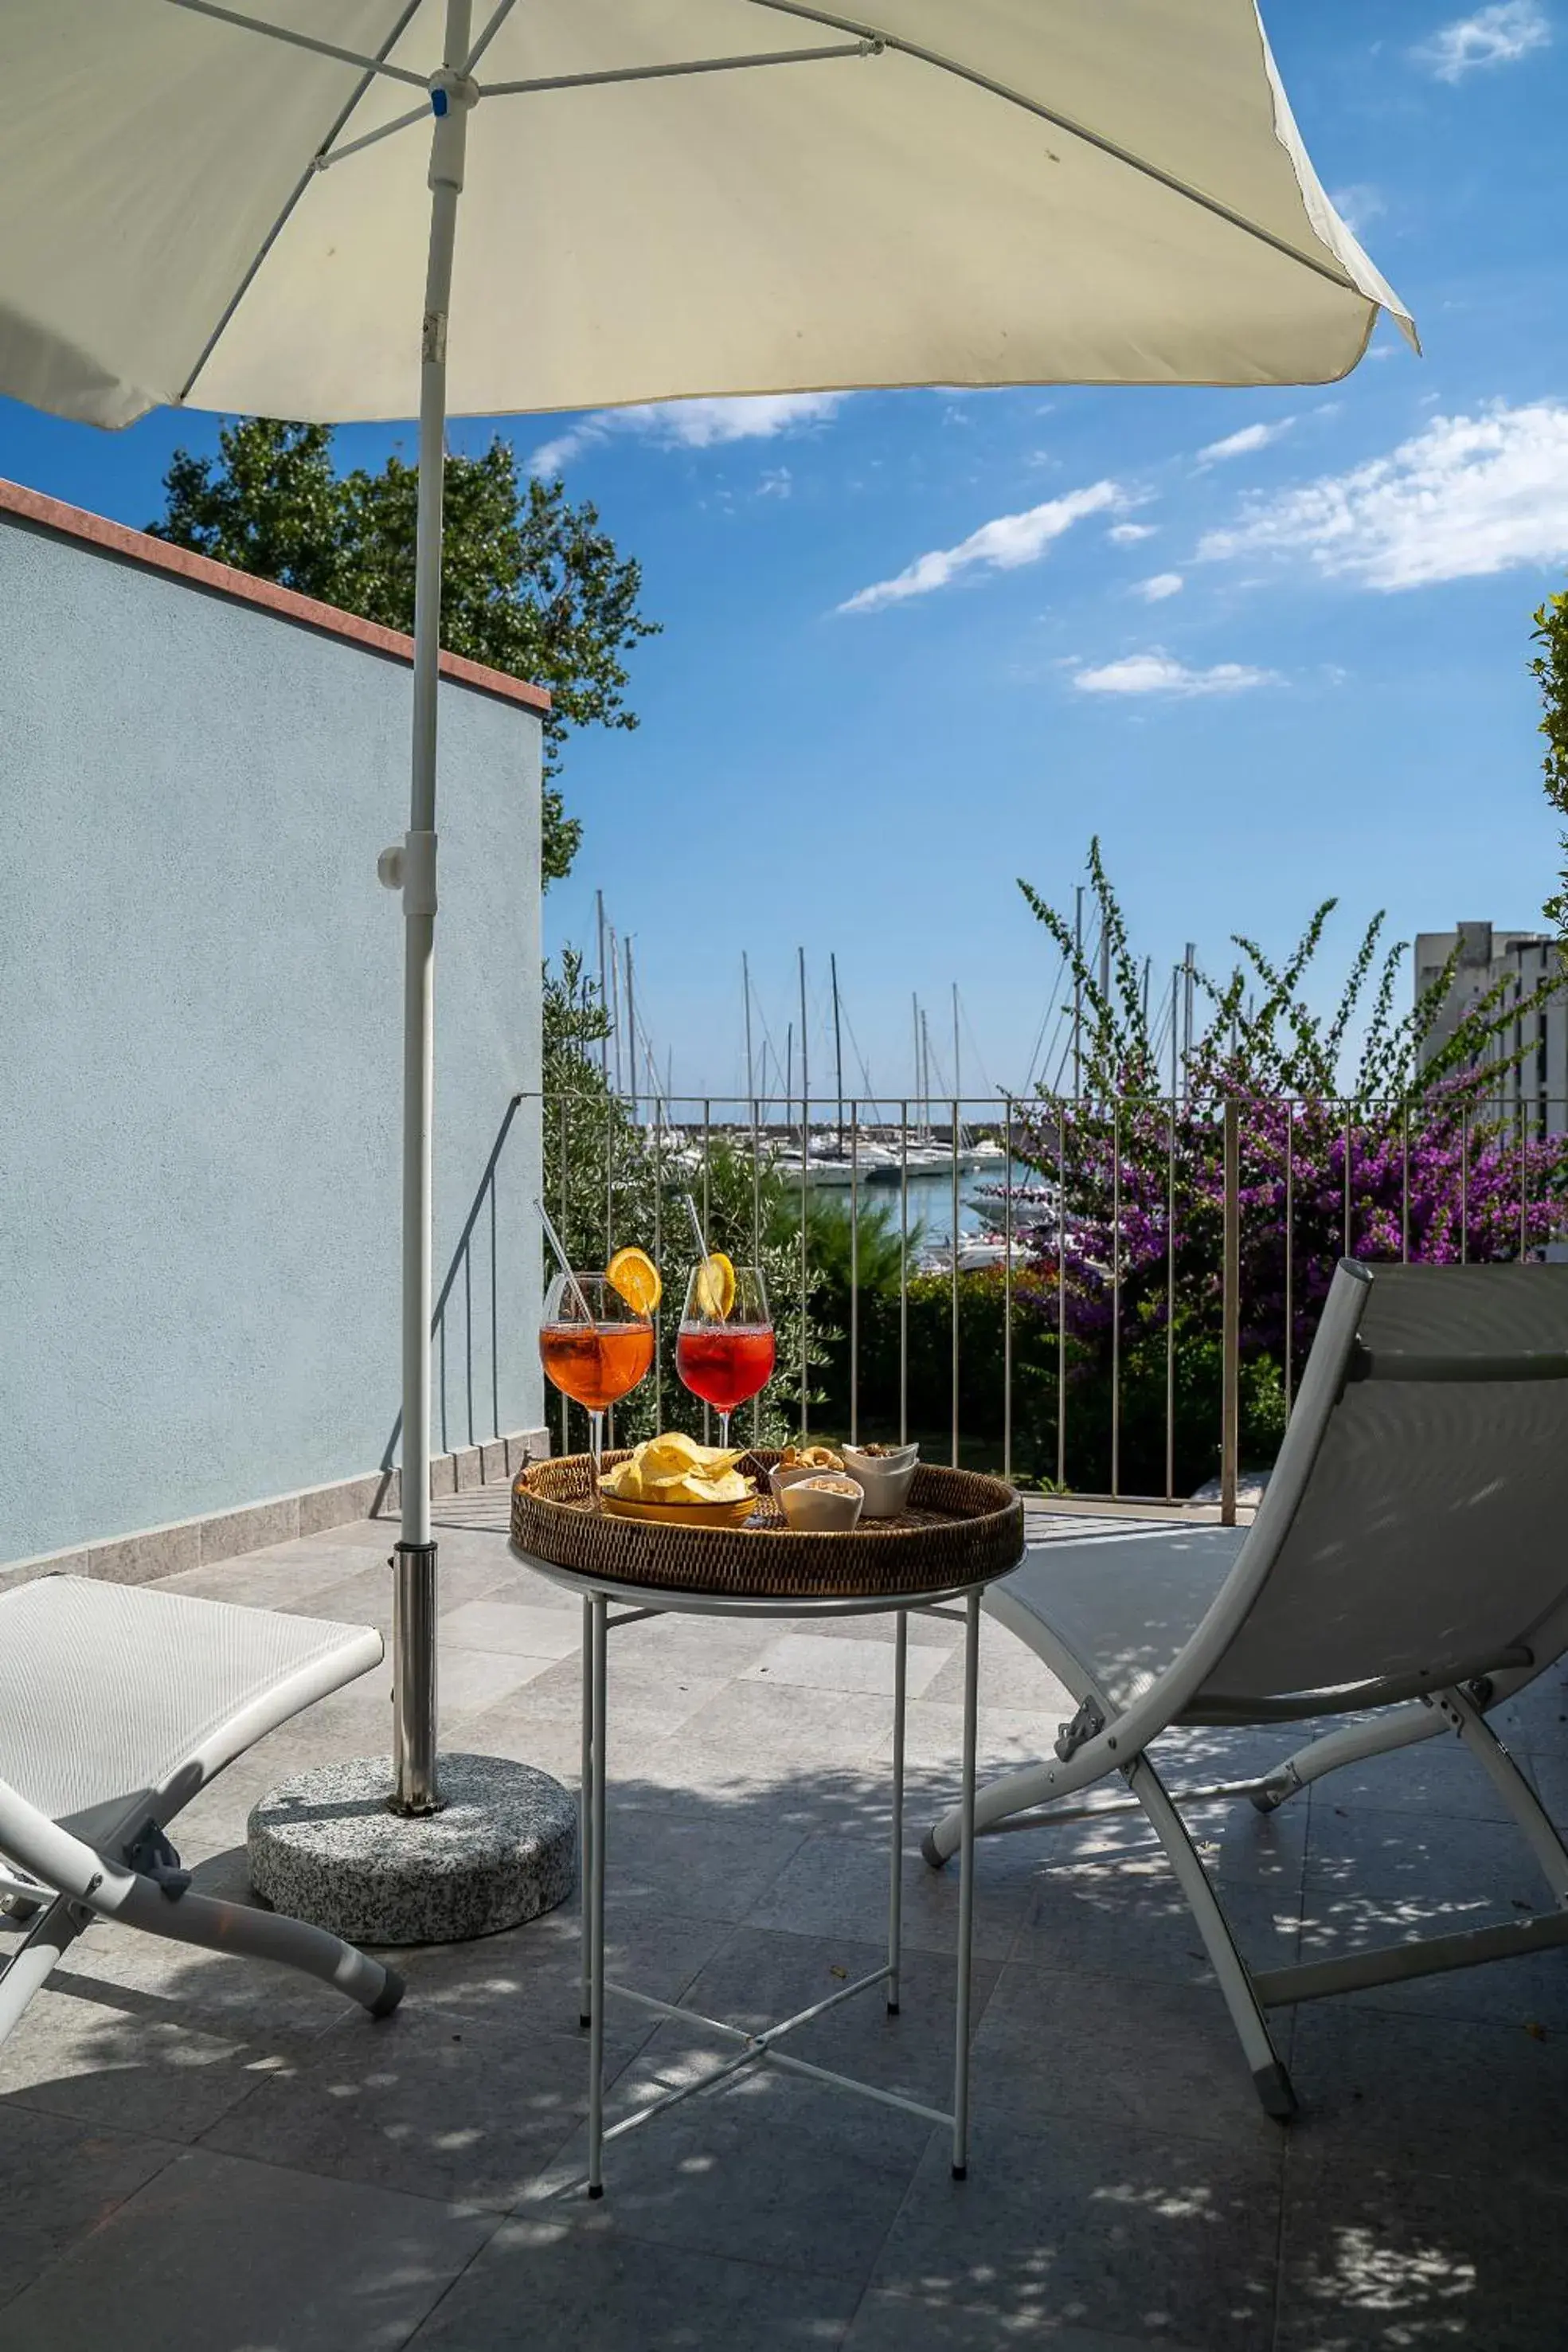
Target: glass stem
x=724, y=1431
x=595, y=1449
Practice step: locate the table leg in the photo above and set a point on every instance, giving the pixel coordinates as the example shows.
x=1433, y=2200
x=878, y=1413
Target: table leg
x=584, y=1807
x=896, y=1875
x=966, y=1890
x=600, y=1609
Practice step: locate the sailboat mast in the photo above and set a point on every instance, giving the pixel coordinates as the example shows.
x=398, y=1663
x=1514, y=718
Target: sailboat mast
x=745, y=985
x=957, y=1082
x=914, y=1011
x=805, y=1073
x=603, y=1000
x=1078, y=996
x=838, y=1050
x=630, y=1029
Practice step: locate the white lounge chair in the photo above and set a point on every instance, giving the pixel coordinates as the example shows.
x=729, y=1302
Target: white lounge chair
x=117, y=1704
x=1410, y=1558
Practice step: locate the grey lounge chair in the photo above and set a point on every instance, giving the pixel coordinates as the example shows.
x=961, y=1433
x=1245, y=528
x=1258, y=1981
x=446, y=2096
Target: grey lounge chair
x=117, y=1704
x=1408, y=1565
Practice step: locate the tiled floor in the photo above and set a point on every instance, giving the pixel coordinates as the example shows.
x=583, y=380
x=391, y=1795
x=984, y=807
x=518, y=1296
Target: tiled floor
x=200, y=2156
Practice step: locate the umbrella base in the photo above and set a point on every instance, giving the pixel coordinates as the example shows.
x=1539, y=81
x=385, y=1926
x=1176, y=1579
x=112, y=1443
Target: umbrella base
x=503, y=1849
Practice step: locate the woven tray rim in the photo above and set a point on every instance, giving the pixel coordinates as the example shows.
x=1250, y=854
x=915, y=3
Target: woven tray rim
x=878, y=1556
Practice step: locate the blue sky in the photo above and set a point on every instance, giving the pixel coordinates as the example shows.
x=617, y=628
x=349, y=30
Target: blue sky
x=1272, y=647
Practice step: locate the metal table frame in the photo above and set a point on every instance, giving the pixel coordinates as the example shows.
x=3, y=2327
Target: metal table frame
x=758, y=2049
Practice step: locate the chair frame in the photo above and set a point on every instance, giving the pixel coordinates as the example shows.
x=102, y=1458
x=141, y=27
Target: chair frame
x=59, y=1883
x=1104, y=1739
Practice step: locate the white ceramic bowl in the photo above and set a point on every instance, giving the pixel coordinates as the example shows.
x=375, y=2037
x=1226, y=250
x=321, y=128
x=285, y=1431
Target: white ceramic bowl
x=785, y=1473
x=886, y=1491
x=819, y=1510
x=897, y=1458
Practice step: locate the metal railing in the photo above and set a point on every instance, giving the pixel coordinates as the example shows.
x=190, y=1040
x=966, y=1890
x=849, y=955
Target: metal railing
x=1111, y=1298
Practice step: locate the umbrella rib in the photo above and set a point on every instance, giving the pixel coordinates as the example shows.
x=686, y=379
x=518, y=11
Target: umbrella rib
x=303, y=41
x=1140, y=164
x=866, y=48
x=503, y=11
x=356, y=146
x=276, y=231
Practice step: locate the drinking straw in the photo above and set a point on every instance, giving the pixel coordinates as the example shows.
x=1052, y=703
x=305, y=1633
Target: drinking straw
x=702, y=1250
x=564, y=1261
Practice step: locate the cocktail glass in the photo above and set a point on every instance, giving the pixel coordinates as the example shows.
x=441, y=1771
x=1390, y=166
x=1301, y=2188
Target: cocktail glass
x=595, y=1348
x=725, y=1358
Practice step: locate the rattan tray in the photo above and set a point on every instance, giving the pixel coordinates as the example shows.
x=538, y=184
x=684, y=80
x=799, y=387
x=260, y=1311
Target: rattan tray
x=958, y=1529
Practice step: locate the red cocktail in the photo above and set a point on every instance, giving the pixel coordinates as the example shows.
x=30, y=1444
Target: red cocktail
x=725, y=1351
x=724, y=1363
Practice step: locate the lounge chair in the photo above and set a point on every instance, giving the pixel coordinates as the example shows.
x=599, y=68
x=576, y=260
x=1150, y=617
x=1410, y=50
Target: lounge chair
x=117, y=1704
x=1408, y=1567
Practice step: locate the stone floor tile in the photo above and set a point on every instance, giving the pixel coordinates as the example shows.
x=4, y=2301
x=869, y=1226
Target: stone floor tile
x=1383, y=1878
x=1440, y=2094
x=1010, y=1676
x=1374, y=2259
x=709, y=1862
x=288, y=1577
x=1147, y=2056
x=901, y=2323
x=219, y=2255
x=758, y=1977
x=1131, y=1920
x=473, y=1681
x=1080, y=2225
x=528, y=1980
x=766, y=2168
x=57, y=2182
x=819, y=1661
x=513, y=1627
x=433, y=2104
x=760, y=1726
x=1537, y=1720
x=125, y=2063
x=575, y=2286
x=1437, y=1777
x=839, y=1885
x=662, y=1693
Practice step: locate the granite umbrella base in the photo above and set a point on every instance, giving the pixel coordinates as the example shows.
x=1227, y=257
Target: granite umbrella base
x=503, y=1849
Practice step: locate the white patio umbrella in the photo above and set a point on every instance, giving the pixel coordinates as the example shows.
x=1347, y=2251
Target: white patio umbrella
x=234, y=210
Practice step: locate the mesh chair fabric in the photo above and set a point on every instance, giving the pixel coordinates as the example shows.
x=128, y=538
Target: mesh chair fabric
x=106, y=1690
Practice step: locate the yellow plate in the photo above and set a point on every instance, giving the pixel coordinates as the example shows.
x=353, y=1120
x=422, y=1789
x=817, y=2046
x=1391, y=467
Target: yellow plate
x=684, y=1515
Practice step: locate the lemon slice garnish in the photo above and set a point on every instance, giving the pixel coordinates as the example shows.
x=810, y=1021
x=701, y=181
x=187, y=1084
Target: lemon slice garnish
x=714, y=1288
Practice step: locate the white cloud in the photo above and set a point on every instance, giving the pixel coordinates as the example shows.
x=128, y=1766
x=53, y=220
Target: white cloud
x=691, y=424
x=1242, y=443
x=1159, y=673
x=1004, y=545
x=1162, y=584
x=1127, y=534
x=1359, y=206
x=777, y=482
x=1464, y=496
x=1492, y=37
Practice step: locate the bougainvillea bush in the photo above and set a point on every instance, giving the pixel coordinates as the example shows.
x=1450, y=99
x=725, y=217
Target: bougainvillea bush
x=1407, y=1157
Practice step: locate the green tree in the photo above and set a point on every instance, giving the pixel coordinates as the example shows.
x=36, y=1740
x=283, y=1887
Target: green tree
x=1549, y=670
x=531, y=584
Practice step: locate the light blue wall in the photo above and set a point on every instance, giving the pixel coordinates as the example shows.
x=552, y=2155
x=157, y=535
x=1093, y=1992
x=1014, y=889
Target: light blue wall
x=200, y=1076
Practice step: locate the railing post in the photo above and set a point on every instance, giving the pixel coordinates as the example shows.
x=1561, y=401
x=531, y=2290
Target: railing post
x=1230, y=1319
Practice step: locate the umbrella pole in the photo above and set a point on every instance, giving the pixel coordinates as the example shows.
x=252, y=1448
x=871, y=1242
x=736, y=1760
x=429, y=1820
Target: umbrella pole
x=414, y=1599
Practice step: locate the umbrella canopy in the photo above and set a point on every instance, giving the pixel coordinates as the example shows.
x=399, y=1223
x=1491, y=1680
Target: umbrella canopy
x=236, y=208
x=1004, y=192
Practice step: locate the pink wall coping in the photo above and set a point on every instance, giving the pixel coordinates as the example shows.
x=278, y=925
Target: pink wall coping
x=221, y=579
